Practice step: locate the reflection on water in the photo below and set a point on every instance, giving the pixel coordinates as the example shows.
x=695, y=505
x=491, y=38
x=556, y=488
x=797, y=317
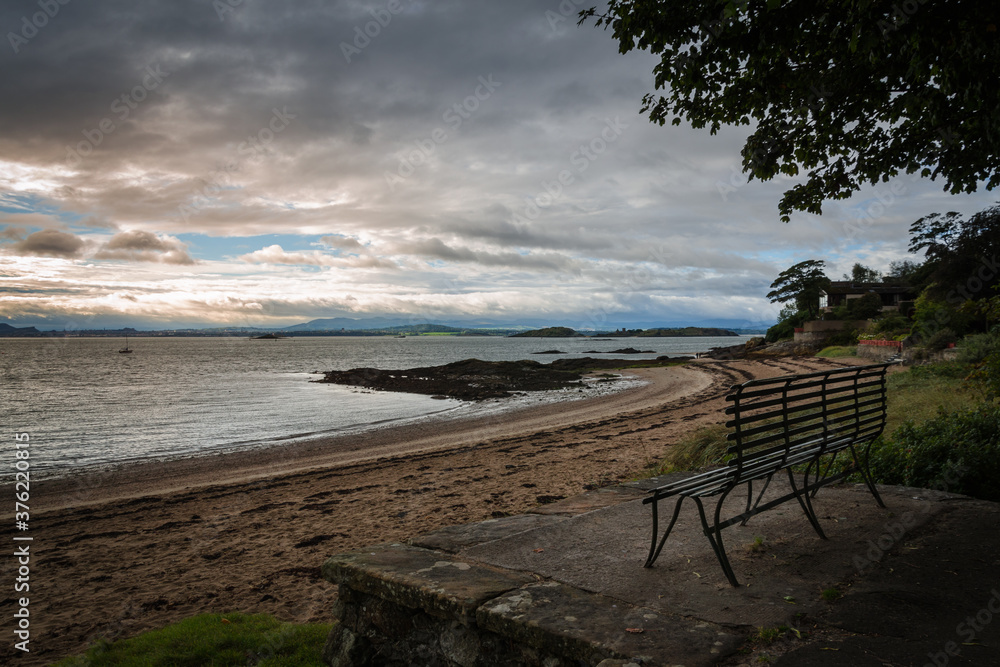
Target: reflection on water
x=85, y=404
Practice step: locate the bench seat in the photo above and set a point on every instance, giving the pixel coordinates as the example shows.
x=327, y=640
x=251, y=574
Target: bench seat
x=794, y=423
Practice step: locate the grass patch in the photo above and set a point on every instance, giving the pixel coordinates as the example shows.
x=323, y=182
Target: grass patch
x=830, y=595
x=916, y=396
x=769, y=635
x=835, y=351
x=923, y=392
x=212, y=639
x=757, y=546
x=703, y=447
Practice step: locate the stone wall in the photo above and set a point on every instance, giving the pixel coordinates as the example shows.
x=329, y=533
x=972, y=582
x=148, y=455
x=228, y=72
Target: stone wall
x=401, y=605
x=878, y=350
x=817, y=326
x=816, y=331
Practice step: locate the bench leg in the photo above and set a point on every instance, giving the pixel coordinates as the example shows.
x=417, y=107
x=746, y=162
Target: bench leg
x=822, y=475
x=865, y=472
x=806, y=501
x=714, y=535
x=654, y=548
x=751, y=504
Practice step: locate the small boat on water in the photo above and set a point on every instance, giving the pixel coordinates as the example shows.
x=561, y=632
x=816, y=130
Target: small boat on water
x=126, y=349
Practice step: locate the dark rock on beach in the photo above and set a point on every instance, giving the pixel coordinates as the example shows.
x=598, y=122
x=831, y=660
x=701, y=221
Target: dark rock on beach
x=550, y=352
x=471, y=379
x=475, y=380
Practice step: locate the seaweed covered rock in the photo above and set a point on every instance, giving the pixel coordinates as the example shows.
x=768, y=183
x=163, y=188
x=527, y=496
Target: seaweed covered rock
x=471, y=379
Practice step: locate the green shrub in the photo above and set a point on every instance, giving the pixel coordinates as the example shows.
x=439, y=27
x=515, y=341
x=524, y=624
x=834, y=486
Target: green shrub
x=958, y=452
x=840, y=312
x=932, y=316
x=892, y=325
x=986, y=376
x=846, y=337
x=977, y=347
x=788, y=320
x=948, y=370
x=865, y=308
x=940, y=339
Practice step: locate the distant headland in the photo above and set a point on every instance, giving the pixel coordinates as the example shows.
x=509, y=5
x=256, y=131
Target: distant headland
x=683, y=332
x=323, y=328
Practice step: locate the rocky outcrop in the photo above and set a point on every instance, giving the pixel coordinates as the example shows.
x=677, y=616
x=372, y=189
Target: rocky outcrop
x=474, y=380
x=471, y=379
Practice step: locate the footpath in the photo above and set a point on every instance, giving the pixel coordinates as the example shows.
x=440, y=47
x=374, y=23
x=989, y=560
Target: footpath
x=914, y=584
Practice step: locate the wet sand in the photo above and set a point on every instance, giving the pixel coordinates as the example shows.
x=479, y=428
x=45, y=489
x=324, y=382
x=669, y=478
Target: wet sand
x=145, y=545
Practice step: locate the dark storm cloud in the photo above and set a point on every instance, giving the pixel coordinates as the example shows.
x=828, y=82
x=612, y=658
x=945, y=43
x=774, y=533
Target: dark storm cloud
x=50, y=243
x=120, y=60
x=141, y=246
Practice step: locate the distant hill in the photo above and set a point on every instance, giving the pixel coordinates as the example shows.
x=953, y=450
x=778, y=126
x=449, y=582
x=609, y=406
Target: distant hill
x=549, y=332
x=349, y=324
x=8, y=331
x=665, y=332
x=425, y=328
x=516, y=323
x=686, y=332
x=325, y=327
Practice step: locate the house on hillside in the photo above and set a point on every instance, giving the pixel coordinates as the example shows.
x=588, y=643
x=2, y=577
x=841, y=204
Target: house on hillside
x=842, y=291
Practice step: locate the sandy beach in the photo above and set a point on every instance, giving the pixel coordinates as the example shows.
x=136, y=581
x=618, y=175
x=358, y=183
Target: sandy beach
x=137, y=548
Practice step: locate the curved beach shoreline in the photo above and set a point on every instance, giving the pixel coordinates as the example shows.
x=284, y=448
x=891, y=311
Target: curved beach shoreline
x=432, y=433
x=145, y=545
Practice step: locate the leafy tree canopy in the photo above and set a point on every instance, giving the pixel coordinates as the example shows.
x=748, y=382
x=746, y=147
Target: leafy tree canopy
x=963, y=254
x=847, y=91
x=863, y=274
x=801, y=283
x=905, y=272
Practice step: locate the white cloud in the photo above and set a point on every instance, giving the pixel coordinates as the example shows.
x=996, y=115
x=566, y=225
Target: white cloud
x=275, y=254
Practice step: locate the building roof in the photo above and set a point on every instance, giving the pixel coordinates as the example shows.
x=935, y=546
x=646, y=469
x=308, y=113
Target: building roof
x=850, y=287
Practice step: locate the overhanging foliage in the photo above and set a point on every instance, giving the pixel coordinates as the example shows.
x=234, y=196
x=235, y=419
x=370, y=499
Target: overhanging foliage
x=848, y=92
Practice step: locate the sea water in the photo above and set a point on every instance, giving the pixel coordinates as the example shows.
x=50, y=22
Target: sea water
x=85, y=405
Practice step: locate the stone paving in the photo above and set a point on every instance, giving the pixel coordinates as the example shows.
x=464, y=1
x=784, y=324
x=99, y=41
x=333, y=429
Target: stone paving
x=911, y=584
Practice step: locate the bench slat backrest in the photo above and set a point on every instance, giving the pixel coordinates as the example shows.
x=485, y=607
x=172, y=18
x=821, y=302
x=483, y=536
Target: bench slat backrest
x=774, y=418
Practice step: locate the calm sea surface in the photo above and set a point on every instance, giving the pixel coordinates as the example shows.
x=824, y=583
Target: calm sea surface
x=85, y=405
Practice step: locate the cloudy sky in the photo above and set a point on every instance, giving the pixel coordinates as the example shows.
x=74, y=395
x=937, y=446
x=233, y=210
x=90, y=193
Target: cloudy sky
x=201, y=162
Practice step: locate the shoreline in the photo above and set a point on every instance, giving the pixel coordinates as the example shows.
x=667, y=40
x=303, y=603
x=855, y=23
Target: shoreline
x=149, y=545
x=433, y=432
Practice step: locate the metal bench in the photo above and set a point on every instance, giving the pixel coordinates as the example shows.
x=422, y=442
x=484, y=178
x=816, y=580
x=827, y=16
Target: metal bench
x=796, y=423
